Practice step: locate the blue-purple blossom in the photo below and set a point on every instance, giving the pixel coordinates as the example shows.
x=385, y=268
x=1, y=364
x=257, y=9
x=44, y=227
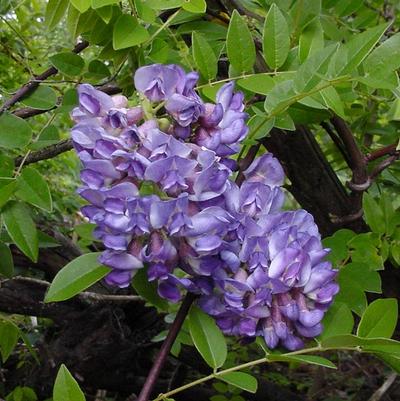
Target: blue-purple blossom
x=160, y=190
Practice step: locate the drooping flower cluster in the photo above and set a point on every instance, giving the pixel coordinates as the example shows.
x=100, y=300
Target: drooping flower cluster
x=158, y=181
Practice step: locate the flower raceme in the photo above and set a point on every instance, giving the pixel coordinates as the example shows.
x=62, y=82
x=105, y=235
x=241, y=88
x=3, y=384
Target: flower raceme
x=158, y=181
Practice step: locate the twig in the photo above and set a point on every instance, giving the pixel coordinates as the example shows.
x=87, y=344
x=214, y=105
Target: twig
x=376, y=154
x=165, y=348
x=34, y=83
x=385, y=387
x=357, y=160
x=245, y=11
x=383, y=165
x=27, y=112
x=86, y=295
x=46, y=153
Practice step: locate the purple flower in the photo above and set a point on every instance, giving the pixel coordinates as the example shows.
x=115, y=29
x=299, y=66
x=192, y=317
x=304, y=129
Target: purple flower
x=185, y=110
x=157, y=82
x=161, y=193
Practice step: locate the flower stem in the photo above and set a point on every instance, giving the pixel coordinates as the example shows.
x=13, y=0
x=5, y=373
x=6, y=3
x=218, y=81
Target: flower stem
x=165, y=348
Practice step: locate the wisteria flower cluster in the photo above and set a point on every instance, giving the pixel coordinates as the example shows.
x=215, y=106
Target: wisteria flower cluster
x=158, y=181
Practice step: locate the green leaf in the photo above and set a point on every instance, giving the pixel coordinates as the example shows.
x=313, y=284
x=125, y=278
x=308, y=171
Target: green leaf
x=311, y=39
x=373, y=214
x=384, y=59
x=81, y=5
x=21, y=228
x=66, y=387
x=259, y=127
x=75, y=277
x=68, y=63
x=310, y=359
x=14, y=132
x=333, y=101
x=204, y=56
x=338, y=320
x=33, y=188
x=367, y=344
x=49, y=136
x=257, y=83
x=164, y=4
x=128, y=32
x=276, y=39
x=354, y=279
x=360, y=46
x=207, y=338
x=9, y=334
x=145, y=12
x=240, y=45
x=105, y=13
x=42, y=98
x=210, y=91
x=148, y=290
x=284, y=121
x=6, y=165
x=310, y=72
x=102, y=3
x=379, y=319
x=393, y=361
x=241, y=380
x=7, y=189
x=6, y=261
x=97, y=70
x=55, y=10
x=195, y=6
x=70, y=100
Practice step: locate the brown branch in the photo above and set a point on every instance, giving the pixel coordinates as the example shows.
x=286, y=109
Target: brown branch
x=46, y=153
x=243, y=10
x=383, y=165
x=27, y=112
x=165, y=348
x=336, y=140
x=246, y=161
x=357, y=160
x=34, y=83
x=376, y=154
x=357, y=163
x=85, y=295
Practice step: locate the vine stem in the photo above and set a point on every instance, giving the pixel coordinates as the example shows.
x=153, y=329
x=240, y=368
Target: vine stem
x=250, y=364
x=165, y=348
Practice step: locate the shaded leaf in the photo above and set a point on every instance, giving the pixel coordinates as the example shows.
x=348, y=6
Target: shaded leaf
x=9, y=334
x=6, y=261
x=42, y=98
x=310, y=359
x=14, y=132
x=68, y=63
x=66, y=387
x=241, y=380
x=21, y=228
x=148, y=290
x=33, y=188
x=337, y=320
